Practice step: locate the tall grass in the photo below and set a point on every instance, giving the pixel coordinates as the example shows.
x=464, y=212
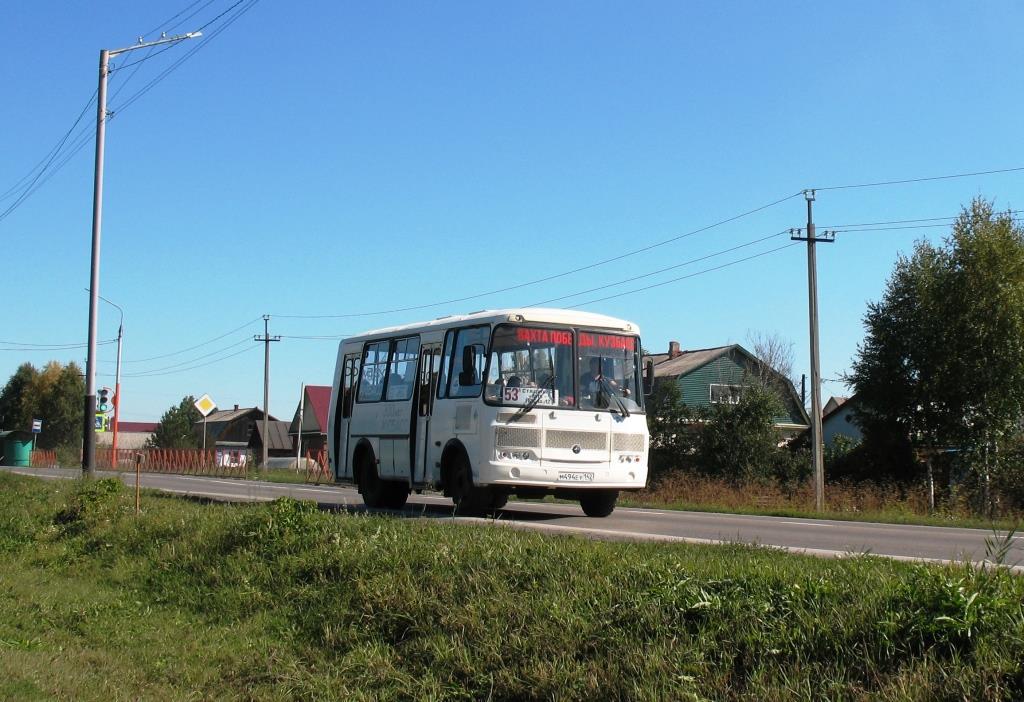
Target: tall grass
x=280, y=601
x=862, y=500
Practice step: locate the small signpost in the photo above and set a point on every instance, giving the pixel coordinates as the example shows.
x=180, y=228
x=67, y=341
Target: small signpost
x=205, y=405
x=37, y=428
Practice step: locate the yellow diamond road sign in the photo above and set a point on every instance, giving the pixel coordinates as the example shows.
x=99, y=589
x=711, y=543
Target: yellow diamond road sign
x=205, y=405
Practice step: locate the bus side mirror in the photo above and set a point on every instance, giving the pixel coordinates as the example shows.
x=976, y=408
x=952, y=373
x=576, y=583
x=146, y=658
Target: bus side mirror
x=649, y=377
x=467, y=376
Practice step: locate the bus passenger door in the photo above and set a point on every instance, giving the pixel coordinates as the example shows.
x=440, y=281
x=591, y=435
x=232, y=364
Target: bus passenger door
x=343, y=421
x=430, y=362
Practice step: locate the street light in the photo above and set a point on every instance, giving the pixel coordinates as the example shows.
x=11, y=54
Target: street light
x=89, y=438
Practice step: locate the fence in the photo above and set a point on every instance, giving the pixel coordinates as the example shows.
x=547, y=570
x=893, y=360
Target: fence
x=183, y=461
x=317, y=467
x=42, y=458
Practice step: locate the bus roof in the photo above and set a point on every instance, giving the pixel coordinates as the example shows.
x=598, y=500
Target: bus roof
x=520, y=315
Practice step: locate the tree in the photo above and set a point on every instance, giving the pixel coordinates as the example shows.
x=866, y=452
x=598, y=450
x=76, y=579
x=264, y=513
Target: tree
x=739, y=442
x=942, y=362
x=670, y=423
x=61, y=406
x=775, y=352
x=175, y=429
x=16, y=408
x=55, y=395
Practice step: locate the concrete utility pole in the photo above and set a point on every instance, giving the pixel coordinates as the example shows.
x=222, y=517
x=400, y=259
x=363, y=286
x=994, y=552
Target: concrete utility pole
x=817, y=459
x=266, y=339
x=298, y=437
x=89, y=437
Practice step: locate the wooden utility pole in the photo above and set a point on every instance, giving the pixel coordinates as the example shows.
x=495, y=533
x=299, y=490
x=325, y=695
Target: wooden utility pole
x=809, y=235
x=266, y=339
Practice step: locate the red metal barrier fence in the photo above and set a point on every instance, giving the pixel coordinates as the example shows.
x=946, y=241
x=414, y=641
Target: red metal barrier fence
x=157, y=460
x=41, y=458
x=317, y=467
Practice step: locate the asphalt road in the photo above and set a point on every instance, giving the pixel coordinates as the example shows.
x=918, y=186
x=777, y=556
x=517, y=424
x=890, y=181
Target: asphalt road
x=820, y=537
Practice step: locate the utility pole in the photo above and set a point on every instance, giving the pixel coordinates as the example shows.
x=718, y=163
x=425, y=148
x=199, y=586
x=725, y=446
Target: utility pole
x=89, y=437
x=266, y=339
x=817, y=459
x=298, y=437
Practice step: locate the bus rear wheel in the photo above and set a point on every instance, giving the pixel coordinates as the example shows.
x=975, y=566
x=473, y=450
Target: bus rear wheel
x=599, y=503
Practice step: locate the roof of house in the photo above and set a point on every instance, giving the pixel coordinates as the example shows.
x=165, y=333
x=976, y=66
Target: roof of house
x=136, y=427
x=320, y=400
x=316, y=409
x=232, y=414
x=687, y=361
x=834, y=404
x=278, y=433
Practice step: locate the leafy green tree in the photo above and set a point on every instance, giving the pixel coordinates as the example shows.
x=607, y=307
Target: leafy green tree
x=55, y=395
x=16, y=408
x=175, y=429
x=61, y=406
x=673, y=433
x=942, y=363
x=739, y=441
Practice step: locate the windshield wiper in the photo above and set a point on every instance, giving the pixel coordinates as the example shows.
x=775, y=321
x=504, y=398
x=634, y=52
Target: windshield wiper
x=533, y=401
x=607, y=386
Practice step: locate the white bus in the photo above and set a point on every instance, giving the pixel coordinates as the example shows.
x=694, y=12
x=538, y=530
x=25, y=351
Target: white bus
x=529, y=402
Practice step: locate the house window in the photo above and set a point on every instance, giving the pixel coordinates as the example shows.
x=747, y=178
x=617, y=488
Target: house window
x=722, y=394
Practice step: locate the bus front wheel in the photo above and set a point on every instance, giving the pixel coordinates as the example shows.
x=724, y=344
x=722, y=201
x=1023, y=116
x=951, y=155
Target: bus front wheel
x=599, y=503
x=378, y=493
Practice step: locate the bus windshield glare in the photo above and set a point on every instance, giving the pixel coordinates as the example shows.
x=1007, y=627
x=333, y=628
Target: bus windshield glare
x=530, y=365
x=533, y=366
x=609, y=378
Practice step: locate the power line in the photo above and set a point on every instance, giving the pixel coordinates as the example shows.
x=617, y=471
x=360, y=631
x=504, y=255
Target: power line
x=47, y=161
x=193, y=360
x=84, y=137
x=182, y=370
x=25, y=346
x=685, y=277
x=546, y=278
x=189, y=54
x=921, y=180
x=660, y=270
x=908, y=221
x=192, y=348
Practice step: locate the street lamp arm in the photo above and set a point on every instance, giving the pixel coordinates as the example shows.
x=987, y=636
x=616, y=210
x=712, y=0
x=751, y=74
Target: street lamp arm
x=166, y=40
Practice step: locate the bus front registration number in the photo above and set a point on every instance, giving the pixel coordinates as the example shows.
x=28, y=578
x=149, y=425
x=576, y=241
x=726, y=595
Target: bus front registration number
x=576, y=477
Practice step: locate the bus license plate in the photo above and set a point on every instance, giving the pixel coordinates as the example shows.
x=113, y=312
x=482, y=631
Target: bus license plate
x=576, y=477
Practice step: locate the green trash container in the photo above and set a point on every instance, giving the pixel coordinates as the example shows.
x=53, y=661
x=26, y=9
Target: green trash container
x=17, y=448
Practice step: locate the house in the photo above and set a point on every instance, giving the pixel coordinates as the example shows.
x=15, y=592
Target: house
x=130, y=435
x=243, y=427
x=837, y=419
x=718, y=375
x=315, y=406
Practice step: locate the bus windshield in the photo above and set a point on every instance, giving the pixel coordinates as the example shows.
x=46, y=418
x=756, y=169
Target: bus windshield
x=531, y=366
x=608, y=372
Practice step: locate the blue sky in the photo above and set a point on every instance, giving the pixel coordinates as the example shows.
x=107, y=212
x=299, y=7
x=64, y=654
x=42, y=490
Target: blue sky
x=333, y=158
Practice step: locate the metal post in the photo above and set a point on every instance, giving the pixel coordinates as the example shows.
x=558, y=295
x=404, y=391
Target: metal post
x=817, y=457
x=117, y=393
x=298, y=434
x=89, y=436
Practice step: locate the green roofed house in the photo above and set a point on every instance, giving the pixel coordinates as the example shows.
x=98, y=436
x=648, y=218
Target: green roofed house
x=719, y=374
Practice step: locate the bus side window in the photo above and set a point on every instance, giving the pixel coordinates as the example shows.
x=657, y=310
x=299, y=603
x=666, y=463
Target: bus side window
x=446, y=364
x=375, y=366
x=467, y=378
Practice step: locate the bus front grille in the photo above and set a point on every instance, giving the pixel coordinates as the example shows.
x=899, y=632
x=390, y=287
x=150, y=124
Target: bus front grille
x=517, y=437
x=628, y=442
x=587, y=440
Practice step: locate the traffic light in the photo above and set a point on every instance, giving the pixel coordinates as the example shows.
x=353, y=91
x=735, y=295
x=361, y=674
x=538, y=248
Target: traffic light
x=103, y=399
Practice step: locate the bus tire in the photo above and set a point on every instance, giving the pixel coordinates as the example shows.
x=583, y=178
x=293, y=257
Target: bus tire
x=373, y=489
x=598, y=503
x=396, y=493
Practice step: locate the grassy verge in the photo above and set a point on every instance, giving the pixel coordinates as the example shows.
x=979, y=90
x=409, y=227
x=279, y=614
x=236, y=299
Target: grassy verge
x=850, y=502
x=280, y=601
